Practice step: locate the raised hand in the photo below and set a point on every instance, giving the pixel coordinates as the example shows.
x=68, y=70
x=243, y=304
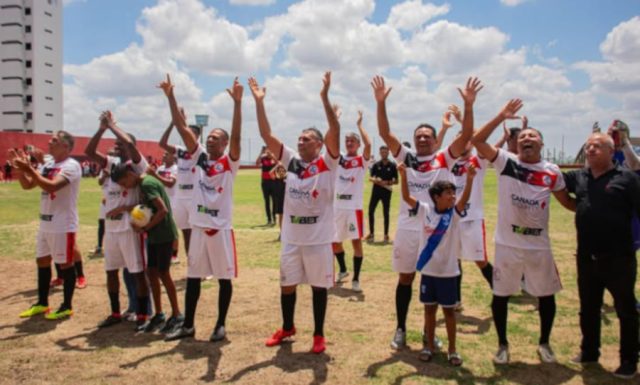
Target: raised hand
x=455, y=111
x=359, y=121
x=510, y=109
x=166, y=86
x=236, y=91
x=258, y=93
x=471, y=90
x=110, y=120
x=380, y=92
x=337, y=110
x=104, y=123
x=326, y=84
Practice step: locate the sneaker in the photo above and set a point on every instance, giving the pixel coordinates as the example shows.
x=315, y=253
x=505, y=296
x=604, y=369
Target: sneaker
x=179, y=333
x=59, y=314
x=425, y=354
x=318, y=345
x=355, y=286
x=156, y=322
x=81, y=282
x=279, y=336
x=141, y=323
x=56, y=282
x=399, y=340
x=111, y=320
x=627, y=370
x=218, y=334
x=174, y=259
x=437, y=342
x=546, y=354
x=502, y=355
x=34, y=310
x=129, y=315
x=97, y=253
x=386, y=239
x=172, y=323
x=342, y=275
x=369, y=238
x=581, y=358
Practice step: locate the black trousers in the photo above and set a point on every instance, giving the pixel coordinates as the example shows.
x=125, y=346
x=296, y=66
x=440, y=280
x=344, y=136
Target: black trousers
x=617, y=275
x=379, y=194
x=269, y=195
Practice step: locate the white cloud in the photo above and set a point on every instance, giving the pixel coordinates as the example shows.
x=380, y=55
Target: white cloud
x=623, y=42
x=252, y=2
x=512, y=3
x=413, y=14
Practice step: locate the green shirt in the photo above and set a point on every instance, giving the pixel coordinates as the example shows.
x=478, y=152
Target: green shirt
x=165, y=231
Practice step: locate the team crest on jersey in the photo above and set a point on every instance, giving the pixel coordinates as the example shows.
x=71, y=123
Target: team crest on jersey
x=350, y=163
x=316, y=167
x=533, y=177
x=411, y=160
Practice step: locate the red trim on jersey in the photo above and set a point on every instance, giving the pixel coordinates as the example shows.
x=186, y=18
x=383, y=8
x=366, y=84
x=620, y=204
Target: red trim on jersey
x=314, y=168
x=439, y=161
x=220, y=166
x=539, y=178
x=235, y=255
x=484, y=242
x=451, y=155
x=357, y=162
x=71, y=242
x=359, y=221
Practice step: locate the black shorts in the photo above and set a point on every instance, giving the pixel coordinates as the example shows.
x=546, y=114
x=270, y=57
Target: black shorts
x=159, y=256
x=278, y=196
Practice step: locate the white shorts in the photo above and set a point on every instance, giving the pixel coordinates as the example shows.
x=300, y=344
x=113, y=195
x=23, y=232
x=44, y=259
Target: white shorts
x=348, y=224
x=102, y=214
x=472, y=246
x=212, y=253
x=406, y=248
x=57, y=245
x=124, y=249
x=312, y=264
x=180, y=212
x=538, y=267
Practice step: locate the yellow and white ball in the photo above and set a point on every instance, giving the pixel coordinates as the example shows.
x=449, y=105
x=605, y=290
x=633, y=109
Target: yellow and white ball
x=140, y=215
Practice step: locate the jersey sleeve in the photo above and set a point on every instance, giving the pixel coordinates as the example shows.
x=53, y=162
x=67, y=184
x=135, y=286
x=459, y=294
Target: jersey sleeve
x=150, y=190
x=560, y=183
x=401, y=155
x=187, y=159
x=140, y=167
x=286, y=154
x=422, y=209
x=501, y=160
x=71, y=171
x=331, y=162
x=449, y=159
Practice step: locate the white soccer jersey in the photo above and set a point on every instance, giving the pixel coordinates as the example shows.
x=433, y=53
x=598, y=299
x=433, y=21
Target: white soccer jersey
x=167, y=172
x=212, y=204
x=117, y=196
x=350, y=182
x=308, y=199
x=422, y=171
x=474, y=206
x=444, y=261
x=524, y=192
x=59, y=210
x=186, y=178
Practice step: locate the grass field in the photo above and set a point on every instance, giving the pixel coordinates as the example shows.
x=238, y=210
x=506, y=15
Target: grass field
x=358, y=327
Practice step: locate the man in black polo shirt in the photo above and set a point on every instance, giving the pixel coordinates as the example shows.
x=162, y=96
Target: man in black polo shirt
x=607, y=197
x=383, y=175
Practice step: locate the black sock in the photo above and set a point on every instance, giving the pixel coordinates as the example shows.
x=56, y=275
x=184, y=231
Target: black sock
x=143, y=306
x=357, y=265
x=403, y=298
x=288, y=305
x=69, y=276
x=499, y=312
x=341, y=263
x=487, y=273
x=58, y=271
x=79, y=270
x=100, y=232
x=224, y=300
x=44, y=278
x=114, y=299
x=547, y=310
x=459, y=282
x=319, y=309
x=192, y=294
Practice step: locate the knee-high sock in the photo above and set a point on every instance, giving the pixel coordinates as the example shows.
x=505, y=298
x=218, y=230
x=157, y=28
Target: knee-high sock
x=288, y=307
x=341, y=262
x=224, y=300
x=44, y=278
x=357, y=265
x=499, y=311
x=547, y=310
x=319, y=310
x=487, y=273
x=191, y=296
x=69, y=276
x=79, y=270
x=403, y=298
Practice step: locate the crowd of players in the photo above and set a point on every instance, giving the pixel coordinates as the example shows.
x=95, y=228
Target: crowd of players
x=317, y=202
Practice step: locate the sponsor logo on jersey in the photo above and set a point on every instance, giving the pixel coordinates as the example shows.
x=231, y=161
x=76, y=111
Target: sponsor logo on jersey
x=185, y=186
x=526, y=230
x=413, y=186
x=46, y=217
x=348, y=179
x=297, y=220
x=208, y=211
x=344, y=197
x=526, y=203
x=116, y=217
x=295, y=193
x=352, y=227
x=356, y=162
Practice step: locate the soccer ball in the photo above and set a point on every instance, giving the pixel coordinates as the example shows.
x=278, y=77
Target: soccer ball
x=140, y=215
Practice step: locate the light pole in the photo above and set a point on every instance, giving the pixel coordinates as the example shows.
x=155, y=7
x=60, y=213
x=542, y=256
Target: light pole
x=202, y=121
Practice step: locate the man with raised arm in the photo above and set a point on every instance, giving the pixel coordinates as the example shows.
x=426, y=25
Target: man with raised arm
x=59, y=180
x=124, y=248
x=166, y=173
x=348, y=202
x=308, y=228
x=212, y=248
x=425, y=165
x=185, y=182
x=522, y=246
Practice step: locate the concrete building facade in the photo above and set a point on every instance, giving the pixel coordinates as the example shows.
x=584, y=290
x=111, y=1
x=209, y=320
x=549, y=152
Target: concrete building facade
x=31, y=65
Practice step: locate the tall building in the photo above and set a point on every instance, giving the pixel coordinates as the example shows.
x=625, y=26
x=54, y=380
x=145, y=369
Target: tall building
x=31, y=65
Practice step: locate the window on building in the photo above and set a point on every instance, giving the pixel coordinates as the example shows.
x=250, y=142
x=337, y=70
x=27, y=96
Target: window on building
x=27, y=11
x=48, y=14
x=29, y=115
x=49, y=115
x=28, y=98
x=11, y=59
x=28, y=81
x=47, y=47
x=11, y=113
x=48, y=64
x=48, y=98
x=48, y=81
x=48, y=30
x=28, y=64
x=27, y=29
x=27, y=46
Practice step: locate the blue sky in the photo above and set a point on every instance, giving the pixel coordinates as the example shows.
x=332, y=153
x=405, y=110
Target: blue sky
x=552, y=52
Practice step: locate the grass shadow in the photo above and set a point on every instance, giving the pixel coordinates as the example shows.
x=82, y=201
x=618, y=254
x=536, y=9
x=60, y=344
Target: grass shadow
x=291, y=362
x=120, y=336
x=339, y=291
x=31, y=293
x=30, y=326
x=533, y=374
x=483, y=325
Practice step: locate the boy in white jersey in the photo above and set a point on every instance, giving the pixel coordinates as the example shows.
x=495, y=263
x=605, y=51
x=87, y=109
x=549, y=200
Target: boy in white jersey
x=59, y=180
x=124, y=248
x=439, y=223
x=212, y=249
x=424, y=166
x=185, y=181
x=525, y=184
x=308, y=228
x=166, y=173
x=347, y=205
